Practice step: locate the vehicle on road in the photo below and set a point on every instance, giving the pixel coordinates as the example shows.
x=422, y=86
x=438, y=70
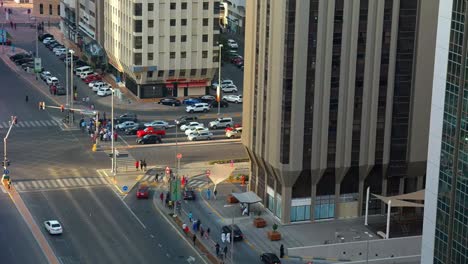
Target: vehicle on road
x=237, y=59
x=197, y=129
x=134, y=130
x=221, y=122
x=125, y=125
x=78, y=64
x=185, y=120
x=60, y=52
x=142, y=191
x=200, y=107
x=93, y=77
x=232, y=44
x=52, y=80
x=126, y=117
x=24, y=60
x=53, y=227
x=238, y=236
x=207, y=98
x=60, y=90
x=41, y=37
x=20, y=56
x=269, y=258
x=191, y=101
x=99, y=85
x=225, y=82
x=200, y=136
x=68, y=58
x=229, y=89
x=85, y=74
x=104, y=91
x=52, y=45
x=82, y=69
x=191, y=125
x=44, y=75
x=150, y=131
x=47, y=40
x=214, y=104
x=170, y=101
x=189, y=194
x=235, y=133
x=157, y=123
x=58, y=47
x=232, y=127
x=233, y=98
x=149, y=139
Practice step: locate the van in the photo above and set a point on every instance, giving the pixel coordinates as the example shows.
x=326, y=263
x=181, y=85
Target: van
x=82, y=69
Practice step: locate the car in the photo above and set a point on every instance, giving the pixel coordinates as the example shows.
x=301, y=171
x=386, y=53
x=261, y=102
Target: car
x=53, y=227
x=92, y=83
x=149, y=139
x=23, y=60
x=270, y=258
x=232, y=128
x=52, y=45
x=134, y=130
x=60, y=90
x=238, y=236
x=44, y=75
x=214, y=85
x=47, y=40
x=125, y=125
x=234, y=133
x=200, y=107
x=214, y=104
x=78, y=64
x=207, y=98
x=191, y=125
x=169, y=101
x=99, y=85
x=200, y=136
x=58, y=47
x=197, y=129
x=232, y=44
x=150, y=131
x=237, y=59
x=85, y=74
x=189, y=194
x=185, y=119
x=221, y=122
x=60, y=52
x=104, y=91
x=142, y=191
x=126, y=117
x=44, y=36
x=157, y=123
x=229, y=89
x=19, y=56
x=69, y=58
x=93, y=77
x=191, y=101
x=52, y=80
x=233, y=98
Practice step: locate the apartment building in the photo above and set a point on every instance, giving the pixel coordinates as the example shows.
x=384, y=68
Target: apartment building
x=236, y=15
x=91, y=31
x=69, y=19
x=337, y=99
x=163, y=47
x=46, y=9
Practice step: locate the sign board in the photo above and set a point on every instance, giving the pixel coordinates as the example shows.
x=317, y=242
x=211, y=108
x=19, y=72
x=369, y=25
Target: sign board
x=37, y=64
x=125, y=188
x=5, y=171
x=179, y=155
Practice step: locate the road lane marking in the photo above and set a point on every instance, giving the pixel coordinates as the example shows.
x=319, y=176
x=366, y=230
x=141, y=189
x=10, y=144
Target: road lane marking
x=37, y=123
x=41, y=184
x=130, y=210
x=42, y=122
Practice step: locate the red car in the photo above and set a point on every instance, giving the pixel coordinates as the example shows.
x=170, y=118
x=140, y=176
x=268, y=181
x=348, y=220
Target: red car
x=93, y=77
x=143, y=191
x=150, y=131
x=231, y=128
x=237, y=60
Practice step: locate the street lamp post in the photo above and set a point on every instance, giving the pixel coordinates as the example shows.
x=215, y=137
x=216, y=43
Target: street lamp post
x=114, y=165
x=218, y=90
x=154, y=94
x=66, y=77
x=232, y=233
x=369, y=236
x=71, y=84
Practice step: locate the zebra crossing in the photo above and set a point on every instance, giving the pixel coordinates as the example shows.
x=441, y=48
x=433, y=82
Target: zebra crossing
x=51, y=184
x=31, y=124
x=196, y=182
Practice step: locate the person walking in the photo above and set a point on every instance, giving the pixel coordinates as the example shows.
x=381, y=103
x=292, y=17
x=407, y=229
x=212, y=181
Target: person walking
x=215, y=192
x=217, y=249
x=225, y=249
x=281, y=251
x=156, y=178
x=137, y=164
x=144, y=164
x=208, y=193
x=190, y=216
x=161, y=196
x=194, y=238
x=207, y=233
x=223, y=238
x=228, y=237
x=141, y=164
x=202, y=232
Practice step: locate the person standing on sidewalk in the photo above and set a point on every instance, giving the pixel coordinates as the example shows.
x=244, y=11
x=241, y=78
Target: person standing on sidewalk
x=194, y=238
x=161, y=196
x=281, y=251
x=137, y=164
x=225, y=249
x=215, y=192
x=190, y=216
x=141, y=165
x=217, y=249
x=207, y=233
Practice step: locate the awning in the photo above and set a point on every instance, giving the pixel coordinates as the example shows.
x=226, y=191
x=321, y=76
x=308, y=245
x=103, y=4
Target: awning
x=220, y=172
x=188, y=84
x=397, y=202
x=247, y=197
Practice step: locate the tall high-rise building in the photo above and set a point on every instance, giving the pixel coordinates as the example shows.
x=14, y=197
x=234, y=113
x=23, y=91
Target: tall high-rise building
x=336, y=99
x=445, y=230
x=163, y=47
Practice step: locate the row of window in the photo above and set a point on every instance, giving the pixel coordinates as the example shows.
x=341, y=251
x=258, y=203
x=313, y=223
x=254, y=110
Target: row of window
x=173, y=23
x=182, y=73
x=172, y=55
x=138, y=40
x=41, y=9
x=138, y=7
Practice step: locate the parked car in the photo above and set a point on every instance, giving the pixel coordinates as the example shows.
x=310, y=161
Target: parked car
x=92, y=77
x=234, y=60
x=229, y=89
x=134, y=130
x=157, y=123
x=232, y=44
x=142, y=191
x=197, y=129
x=41, y=37
x=191, y=125
x=239, y=64
x=104, y=91
x=169, y=101
x=200, y=107
x=214, y=104
x=85, y=74
x=60, y=90
x=207, y=98
x=20, y=56
x=45, y=74
x=78, y=64
x=238, y=236
x=150, y=131
x=47, y=40
x=149, y=139
x=200, y=136
x=69, y=58
x=125, y=125
x=99, y=85
x=52, y=45
x=191, y=101
x=185, y=119
x=270, y=258
x=232, y=127
x=60, y=52
x=234, y=98
x=126, y=117
x=23, y=60
x=221, y=122
x=234, y=133
x=52, y=80
x=189, y=194
x=58, y=47
x=53, y=227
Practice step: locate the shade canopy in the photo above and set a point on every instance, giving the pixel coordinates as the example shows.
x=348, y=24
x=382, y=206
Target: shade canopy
x=220, y=172
x=417, y=196
x=397, y=202
x=247, y=197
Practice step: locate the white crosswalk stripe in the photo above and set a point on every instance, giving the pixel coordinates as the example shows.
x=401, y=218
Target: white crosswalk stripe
x=197, y=183
x=5, y=125
x=31, y=123
x=50, y=184
x=37, y=123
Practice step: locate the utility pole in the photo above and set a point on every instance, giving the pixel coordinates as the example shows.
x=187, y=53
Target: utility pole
x=5, y=159
x=71, y=84
x=66, y=77
x=218, y=90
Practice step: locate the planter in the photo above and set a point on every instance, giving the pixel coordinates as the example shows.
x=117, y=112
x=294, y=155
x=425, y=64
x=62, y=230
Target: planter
x=274, y=235
x=259, y=222
x=231, y=199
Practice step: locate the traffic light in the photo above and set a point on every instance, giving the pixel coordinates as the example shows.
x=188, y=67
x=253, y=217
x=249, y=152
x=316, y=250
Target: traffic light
x=62, y=108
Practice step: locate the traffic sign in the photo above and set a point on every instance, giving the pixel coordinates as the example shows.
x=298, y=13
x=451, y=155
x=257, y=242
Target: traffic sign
x=168, y=170
x=208, y=173
x=125, y=188
x=179, y=155
x=5, y=171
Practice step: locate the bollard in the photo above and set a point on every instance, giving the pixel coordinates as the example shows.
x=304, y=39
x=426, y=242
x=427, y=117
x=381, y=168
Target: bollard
x=94, y=148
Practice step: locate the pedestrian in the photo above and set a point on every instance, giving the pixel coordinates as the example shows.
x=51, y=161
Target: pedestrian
x=186, y=229
x=225, y=249
x=190, y=216
x=144, y=164
x=215, y=192
x=105, y=136
x=194, y=238
x=207, y=233
x=281, y=251
x=161, y=196
x=115, y=136
x=156, y=178
x=202, y=232
x=27, y=99
x=228, y=237
x=223, y=238
x=137, y=164
x=208, y=193
x=194, y=226
x=217, y=248
x=141, y=164
x=183, y=227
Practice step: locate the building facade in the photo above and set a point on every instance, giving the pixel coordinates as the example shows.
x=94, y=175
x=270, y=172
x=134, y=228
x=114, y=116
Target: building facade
x=69, y=19
x=91, y=29
x=162, y=47
x=337, y=99
x=46, y=8
x=236, y=16
x=445, y=231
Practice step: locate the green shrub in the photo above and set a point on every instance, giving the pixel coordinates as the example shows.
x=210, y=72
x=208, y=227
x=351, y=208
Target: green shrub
x=275, y=227
x=228, y=161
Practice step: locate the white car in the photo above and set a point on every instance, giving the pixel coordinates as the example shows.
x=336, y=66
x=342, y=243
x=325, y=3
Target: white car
x=221, y=122
x=105, y=91
x=198, y=107
x=232, y=44
x=191, y=125
x=229, y=89
x=91, y=84
x=47, y=40
x=200, y=136
x=45, y=74
x=197, y=129
x=52, y=80
x=53, y=227
x=60, y=52
x=125, y=125
x=157, y=123
x=233, y=98
x=99, y=86
x=58, y=48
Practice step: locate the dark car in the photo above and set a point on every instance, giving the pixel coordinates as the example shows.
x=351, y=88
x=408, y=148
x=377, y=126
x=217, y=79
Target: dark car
x=126, y=117
x=61, y=90
x=189, y=195
x=169, y=101
x=214, y=104
x=185, y=119
x=20, y=56
x=134, y=130
x=43, y=36
x=270, y=258
x=238, y=236
x=77, y=64
x=24, y=60
x=52, y=42
x=56, y=44
x=149, y=139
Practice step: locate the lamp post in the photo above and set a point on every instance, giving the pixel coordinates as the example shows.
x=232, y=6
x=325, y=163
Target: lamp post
x=66, y=77
x=232, y=233
x=369, y=236
x=71, y=84
x=114, y=165
x=154, y=94
x=218, y=89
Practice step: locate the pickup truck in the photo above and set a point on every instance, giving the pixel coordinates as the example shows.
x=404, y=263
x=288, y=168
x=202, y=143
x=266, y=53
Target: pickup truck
x=151, y=131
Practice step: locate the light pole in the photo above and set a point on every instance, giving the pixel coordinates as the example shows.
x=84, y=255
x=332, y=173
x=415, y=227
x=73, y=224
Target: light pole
x=66, y=77
x=5, y=159
x=114, y=165
x=218, y=89
x=154, y=94
x=71, y=84
x=232, y=233
x=369, y=236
